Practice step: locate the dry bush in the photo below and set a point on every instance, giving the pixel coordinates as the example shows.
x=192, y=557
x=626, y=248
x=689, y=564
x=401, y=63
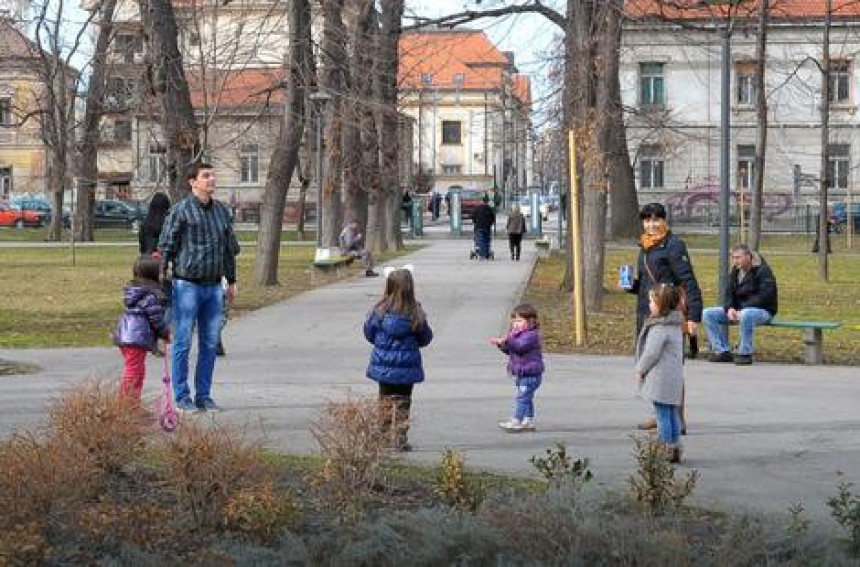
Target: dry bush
x=30, y=480
x=91, y=424
x=653, y=483
x=455, y=486
x=353, y=448
x=261, y=512
x=206, y=467
x=109, y=524
x=23, y=544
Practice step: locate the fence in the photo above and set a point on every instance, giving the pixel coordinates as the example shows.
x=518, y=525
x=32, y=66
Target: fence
x=796, y=219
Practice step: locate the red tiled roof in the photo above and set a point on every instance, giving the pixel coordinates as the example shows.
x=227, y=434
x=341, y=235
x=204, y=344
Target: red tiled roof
x=523, y=89
x=236, y=89
x=468, y=56
x=13, y=44
x=700, y=10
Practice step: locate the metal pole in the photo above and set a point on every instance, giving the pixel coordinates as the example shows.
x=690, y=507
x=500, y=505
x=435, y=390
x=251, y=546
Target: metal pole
x=578, y=290
x=319, y=175
x=725, y=156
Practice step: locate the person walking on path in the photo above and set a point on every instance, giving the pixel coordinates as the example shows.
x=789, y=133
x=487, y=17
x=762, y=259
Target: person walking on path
x=199, y=243
x=140, y=326
x=397, y=328
x=351, y=242
x=484, y=219
x=516, y=227
x=660, y=364
x=751, y=300
x=522, y=344
x=663, y=258
x=150, y=232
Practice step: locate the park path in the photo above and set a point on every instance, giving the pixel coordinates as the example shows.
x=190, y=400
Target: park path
x=763, y=436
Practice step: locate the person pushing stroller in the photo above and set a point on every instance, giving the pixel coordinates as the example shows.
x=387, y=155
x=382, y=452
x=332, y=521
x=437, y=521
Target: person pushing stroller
x=484, y=219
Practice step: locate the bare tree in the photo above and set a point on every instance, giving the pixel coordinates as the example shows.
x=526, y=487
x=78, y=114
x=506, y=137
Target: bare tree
x=761, y=126
x=824, y=178
x=392, y=15
x=286, y=155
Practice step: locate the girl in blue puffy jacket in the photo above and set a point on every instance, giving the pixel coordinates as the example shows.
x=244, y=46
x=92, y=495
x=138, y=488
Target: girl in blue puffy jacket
x=397, y=327
x=141, y=325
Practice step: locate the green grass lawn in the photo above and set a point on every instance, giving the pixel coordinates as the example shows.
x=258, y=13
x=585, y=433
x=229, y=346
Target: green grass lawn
x=801, y=297
x=47, y=302
x=8, y=234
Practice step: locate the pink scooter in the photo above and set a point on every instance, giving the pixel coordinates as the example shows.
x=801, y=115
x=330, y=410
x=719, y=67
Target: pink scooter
x=168, y=417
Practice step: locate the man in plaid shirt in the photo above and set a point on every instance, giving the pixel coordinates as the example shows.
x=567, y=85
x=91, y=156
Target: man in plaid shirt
x=198, y=242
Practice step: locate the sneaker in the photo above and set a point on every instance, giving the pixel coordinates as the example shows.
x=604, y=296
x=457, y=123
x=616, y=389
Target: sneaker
x=743, y=359
x=208, y=404
x=370, y=274
x=721, y=357
x=185, y=404
x=511, y=425
x=528, y=424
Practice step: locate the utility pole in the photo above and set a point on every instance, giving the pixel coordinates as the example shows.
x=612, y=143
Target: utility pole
x=725, y=154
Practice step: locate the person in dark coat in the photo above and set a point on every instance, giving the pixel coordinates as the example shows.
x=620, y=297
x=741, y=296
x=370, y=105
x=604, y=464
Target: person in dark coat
x=751, y=300
x=140, y=326
x=516, y=228
x=150, y=231
x=397, y=328
x=484, y=219
x=663, y=259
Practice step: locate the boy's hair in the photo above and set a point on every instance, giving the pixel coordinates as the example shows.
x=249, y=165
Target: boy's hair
x=195, y=168
x=667, y=297
x=527, y=311
x=399, y=297
x=146, y=269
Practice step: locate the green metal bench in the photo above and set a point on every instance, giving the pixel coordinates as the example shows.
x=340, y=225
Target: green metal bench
x=813, y=336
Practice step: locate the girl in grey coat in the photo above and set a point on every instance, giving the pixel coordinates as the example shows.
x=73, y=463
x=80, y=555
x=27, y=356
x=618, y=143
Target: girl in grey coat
x=659, y=364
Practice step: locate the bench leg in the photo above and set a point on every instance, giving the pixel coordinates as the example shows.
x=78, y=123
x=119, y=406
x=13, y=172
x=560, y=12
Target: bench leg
x=813, y=339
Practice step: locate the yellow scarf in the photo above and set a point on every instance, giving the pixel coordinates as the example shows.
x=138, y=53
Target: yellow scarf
x=649, y=241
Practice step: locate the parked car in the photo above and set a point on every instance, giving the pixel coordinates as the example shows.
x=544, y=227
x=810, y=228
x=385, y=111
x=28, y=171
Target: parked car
x=526, y=207
x=839, y=217
x=19, y=218
x=469, y=201
x=40, y=205
x=116, y=214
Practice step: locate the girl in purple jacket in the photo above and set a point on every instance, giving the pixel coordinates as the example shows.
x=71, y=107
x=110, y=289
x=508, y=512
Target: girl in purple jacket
x=141, y=325
x=525, y=364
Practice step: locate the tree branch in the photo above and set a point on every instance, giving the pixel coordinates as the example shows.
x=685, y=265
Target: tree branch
x=453, y=20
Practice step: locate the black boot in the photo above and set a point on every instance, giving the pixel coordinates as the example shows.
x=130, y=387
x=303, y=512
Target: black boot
x=219, y=349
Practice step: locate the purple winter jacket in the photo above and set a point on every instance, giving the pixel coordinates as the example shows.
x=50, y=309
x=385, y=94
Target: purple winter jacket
x=143, y=321
x=524, y=352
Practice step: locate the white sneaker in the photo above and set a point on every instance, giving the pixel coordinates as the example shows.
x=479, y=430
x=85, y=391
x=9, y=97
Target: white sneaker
x=511, y=425
x=527, y=424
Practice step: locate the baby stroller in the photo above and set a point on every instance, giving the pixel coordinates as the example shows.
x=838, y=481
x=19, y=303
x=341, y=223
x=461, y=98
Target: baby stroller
x=483, y=245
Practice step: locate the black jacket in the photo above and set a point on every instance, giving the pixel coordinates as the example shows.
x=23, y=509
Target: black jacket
x=758, y=289
x=484, y=217
x=148, y=239
x=668, y=262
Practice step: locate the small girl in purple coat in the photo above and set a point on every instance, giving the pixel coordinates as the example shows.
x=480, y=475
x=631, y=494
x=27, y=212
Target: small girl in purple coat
x=141, y=325
x=525, y=364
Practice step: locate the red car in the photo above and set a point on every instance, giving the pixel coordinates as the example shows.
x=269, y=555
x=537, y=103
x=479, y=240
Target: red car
x=470, y=199
x=20, y=218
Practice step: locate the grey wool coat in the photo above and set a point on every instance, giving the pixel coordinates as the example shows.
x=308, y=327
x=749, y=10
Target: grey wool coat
x=660, y=358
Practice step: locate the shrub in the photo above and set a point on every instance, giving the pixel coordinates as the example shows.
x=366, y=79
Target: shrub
x=558, y=467
x=261, y=512
x=653, y=483
x=845, y=509
x=23, y=544
x=110, y=524
x=206, y=467
x=454, y=485
x=353, y=448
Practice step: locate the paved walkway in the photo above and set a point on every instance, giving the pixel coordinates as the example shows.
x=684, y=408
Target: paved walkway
x=764, y=436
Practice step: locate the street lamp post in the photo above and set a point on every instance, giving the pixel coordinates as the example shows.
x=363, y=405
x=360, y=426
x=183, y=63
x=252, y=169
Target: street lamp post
x=319, y=99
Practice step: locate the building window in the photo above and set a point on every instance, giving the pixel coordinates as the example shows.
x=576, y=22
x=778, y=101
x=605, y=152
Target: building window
x=452, y=169
x=746, y=84
x=5, y=182
x=124, y=46
x=650, y=167
x=838, y=160
x=652, y=84
x=249, y=163
x=746, y=167
x=6, y=111
x=157, y=163
x=840, y=78
x=452, y=132
x=122, y=131
x=459, y=79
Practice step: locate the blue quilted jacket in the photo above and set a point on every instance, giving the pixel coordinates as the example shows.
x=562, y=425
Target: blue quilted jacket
x=395, y=358
x=143, y=320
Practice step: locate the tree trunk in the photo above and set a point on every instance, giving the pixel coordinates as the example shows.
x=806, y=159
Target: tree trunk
x=304, y=184
x=286, y=154
x=167, y=79
x=392, y=15
x=89, y=148
x=371, y=175
x=823, y=268
x=569, y=96
x=761, y=128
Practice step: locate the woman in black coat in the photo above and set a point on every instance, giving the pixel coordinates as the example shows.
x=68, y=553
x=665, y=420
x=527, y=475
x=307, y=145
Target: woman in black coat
x=151, y=229
x=663, y=259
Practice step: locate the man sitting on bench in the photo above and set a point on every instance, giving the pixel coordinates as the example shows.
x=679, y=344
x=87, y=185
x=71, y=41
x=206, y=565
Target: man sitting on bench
x=352, y=244
x=751, y=300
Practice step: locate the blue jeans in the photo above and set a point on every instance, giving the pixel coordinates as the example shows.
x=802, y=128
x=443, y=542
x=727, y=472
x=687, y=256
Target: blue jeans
x=716, y=322
x=202, y=304
x=668, y=423
x=482, y=242
x=526, y=387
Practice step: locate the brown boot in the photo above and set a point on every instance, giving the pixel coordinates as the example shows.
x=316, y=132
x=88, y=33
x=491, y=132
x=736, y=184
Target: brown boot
x=649, y=424
x=682, y=410
x=675, y=455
